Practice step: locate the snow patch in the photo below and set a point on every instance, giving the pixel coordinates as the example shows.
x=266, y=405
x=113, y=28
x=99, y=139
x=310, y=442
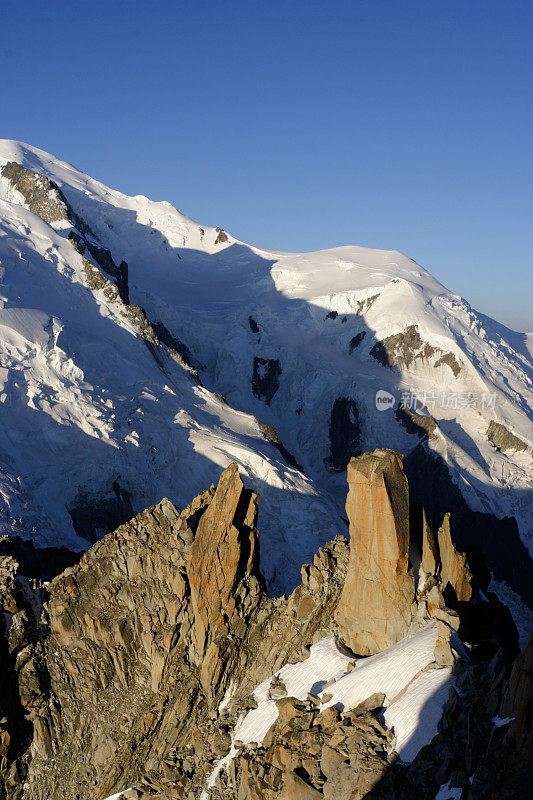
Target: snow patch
x=413, y=698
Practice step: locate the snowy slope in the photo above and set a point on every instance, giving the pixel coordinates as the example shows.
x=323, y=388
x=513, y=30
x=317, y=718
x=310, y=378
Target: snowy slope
x=84, y=401
x=414, y=694
x=84, y=404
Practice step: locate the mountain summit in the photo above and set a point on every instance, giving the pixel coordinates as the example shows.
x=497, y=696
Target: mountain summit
x=141, y=353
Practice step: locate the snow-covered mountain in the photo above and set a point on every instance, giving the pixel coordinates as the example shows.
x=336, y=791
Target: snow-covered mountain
x=102, y=412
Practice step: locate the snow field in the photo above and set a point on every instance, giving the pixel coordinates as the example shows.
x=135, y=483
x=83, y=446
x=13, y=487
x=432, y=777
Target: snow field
x=414, y=698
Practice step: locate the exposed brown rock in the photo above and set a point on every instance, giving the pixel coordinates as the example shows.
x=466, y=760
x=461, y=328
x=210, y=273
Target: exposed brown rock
x=402, y=349
x=455, y=572
x=430, y=554
x=43, y=197
x=502, y=438
x=375, y=609
x=121, y=682
x=222, y=236
x=450, y=361
x=309, y=755
x=295, y=788
x=224, y=550
x=423, y=426
x=146, y=634
x=443, y=651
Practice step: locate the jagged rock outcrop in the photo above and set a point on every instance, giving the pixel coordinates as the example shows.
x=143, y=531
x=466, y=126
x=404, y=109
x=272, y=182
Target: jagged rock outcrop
x=145, y=654
x=422, y=426
x=402, y=349
x=506, y=771
x=502, y=438
x=149, y=631
x=312, y=754
x=401, y=575
x=271, y=435
x=104, y=259
x=223, y=572
x=430, y=553
x=431, y=483
x=42, y=196
x=222, y=236
x=21, y=680
x=456, y=575
x=45, y=199
x=375, y=609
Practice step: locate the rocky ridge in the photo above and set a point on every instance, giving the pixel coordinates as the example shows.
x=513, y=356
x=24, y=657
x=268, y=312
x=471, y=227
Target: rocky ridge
x=133, y=666
x=136, y=645
x=44, y=198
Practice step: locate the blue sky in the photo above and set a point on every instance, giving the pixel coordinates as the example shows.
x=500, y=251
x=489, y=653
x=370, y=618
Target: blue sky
x=300, y=125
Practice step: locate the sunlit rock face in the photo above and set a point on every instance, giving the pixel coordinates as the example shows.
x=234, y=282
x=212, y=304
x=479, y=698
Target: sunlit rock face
x=375, y=609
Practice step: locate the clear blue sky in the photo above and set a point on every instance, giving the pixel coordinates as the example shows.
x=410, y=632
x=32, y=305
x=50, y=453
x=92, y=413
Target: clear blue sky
x=299, y=125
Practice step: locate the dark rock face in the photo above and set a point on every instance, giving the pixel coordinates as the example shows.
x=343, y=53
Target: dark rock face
x=506, y=771
x=175, y=346
x=450, y=361
x=254, y=327
x=271, y=434
x=503, y=550
x=403, y=349
x=105, y=262
x=503, y=439
x=423, y=427
x=344, y=434
x=39, y=563
x=356, y=340
x=265, y=378
x=94, y=516
x=16, y=630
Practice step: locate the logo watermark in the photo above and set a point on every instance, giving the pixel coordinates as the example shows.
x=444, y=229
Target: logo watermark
x=384, y=400
x=430, y=400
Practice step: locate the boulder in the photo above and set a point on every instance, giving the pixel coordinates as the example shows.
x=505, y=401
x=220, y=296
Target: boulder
x=297, y=789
